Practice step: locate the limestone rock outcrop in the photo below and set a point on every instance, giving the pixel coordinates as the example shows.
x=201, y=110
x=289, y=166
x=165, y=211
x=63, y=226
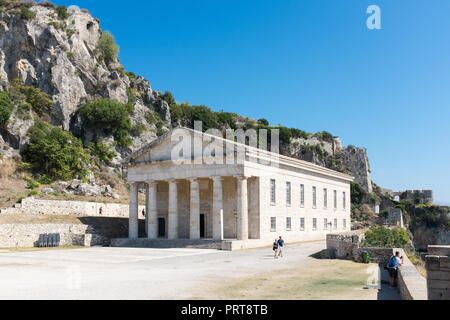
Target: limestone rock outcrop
x=61, y=58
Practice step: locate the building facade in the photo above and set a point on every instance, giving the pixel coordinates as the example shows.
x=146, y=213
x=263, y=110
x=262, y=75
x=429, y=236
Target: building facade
x=226, y=190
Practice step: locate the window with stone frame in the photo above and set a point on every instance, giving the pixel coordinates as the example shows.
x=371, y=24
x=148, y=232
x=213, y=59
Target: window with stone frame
x=335, y=199
x=288, y=193
x=302, y=224
x=335, y=224
x=273, y=198
x=273, y=224
x=344, y=204
x=288, y=224
x=314, y=224
x=325, y=198
x=344, y=224
x=302, y=195
x=325, y=224
x=314, y=197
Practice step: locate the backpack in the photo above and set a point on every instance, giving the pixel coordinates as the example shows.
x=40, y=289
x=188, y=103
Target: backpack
x=392, y=262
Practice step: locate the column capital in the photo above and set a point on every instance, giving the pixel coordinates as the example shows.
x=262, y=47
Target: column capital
x=193, y=179
x=172, y=181
x=217, y=178
x=241, y=177
x=152, y=182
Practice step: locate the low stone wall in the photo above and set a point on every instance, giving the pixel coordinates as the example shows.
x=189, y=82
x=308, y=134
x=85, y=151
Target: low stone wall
x=343, y=244
x=27, y=235
x=411, y=284
x=438, y=272
x=57, y=207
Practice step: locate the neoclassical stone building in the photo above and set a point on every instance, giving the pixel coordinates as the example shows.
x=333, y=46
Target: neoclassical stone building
x=195, y=193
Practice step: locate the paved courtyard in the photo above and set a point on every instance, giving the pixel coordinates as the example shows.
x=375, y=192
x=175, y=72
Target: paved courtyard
x=129, y=273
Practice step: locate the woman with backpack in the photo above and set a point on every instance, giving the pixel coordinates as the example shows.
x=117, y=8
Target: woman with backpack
x=275, y=248
x=392, y=266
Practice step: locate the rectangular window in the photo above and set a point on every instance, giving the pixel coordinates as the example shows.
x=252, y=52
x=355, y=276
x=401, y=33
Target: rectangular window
x=345, y=224
x=302, y=224
x=272, y=191
x=344, y=205
x=314, y=197
x=335, y=224
x=302, y=195
x=288, y=193
x=288, y=224
x=273, y=224
x=314, y=224
x=325, y=198
x=335, y=199
x=325, y=224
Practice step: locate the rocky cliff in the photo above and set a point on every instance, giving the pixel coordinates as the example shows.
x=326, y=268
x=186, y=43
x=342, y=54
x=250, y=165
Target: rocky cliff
x=60, y=56
x=57, y=51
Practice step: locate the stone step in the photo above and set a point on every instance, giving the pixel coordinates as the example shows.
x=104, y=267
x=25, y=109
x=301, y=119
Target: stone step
x=165, y=244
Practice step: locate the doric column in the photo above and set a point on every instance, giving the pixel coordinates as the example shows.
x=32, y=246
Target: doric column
x=133, y=221
x=242, y=208
x=217, y=209
x=173, y=210
x=152, y=210
x=147, y=207
x=194, y=217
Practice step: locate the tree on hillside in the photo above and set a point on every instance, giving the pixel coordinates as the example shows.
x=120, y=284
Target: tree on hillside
x=54, y=152
x=107, y=46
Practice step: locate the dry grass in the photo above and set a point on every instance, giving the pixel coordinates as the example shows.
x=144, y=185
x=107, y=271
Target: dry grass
x=7, y=168
x=318, y=280
x=37, y=219
x=11, y=190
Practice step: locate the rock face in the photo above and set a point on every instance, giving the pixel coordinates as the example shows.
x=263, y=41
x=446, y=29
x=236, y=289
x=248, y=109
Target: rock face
x=332, y=154
x=357, y=163
x=61, y=58
x=60, y=62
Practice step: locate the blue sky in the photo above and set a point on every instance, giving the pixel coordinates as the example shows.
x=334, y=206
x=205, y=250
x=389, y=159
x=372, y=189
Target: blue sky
x=308, y=64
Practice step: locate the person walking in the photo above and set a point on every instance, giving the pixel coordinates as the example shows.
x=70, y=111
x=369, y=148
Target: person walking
x=392, y=266
x=275, y=248
x=143, y=212
x=100, y=211
x=281, y=245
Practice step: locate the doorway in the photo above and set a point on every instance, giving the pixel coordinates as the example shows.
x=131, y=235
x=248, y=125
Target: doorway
x=161, y=227
x=202, y=226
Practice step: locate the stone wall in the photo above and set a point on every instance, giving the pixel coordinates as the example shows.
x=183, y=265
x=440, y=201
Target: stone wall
x=395, y=217
x=57, y=207
x=27, y=235
x=424, y=196
x=411, y=285
x=438, y=272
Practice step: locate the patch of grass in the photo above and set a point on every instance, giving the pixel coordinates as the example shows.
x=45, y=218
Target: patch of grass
x=319, y=280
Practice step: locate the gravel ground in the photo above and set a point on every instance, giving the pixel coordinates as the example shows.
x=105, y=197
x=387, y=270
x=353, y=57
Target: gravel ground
x=144, y=274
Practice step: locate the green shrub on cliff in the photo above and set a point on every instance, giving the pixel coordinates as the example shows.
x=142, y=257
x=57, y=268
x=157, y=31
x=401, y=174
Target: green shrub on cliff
x=102, y=152
x=107, y=47
x=26, y=13
x=110, y=116
x=380, y=237
x=54, y=152
x=5, y=106
x=40, y=102
x=62, y=12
